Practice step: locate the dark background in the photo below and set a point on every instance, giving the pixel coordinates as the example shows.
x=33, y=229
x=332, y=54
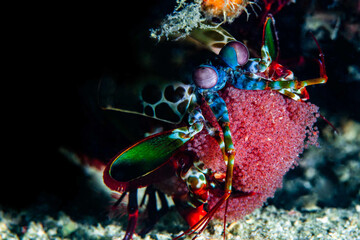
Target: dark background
x=51, y=55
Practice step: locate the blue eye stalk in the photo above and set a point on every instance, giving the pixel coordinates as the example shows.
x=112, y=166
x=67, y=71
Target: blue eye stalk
x=233, y=56
x=209, y=78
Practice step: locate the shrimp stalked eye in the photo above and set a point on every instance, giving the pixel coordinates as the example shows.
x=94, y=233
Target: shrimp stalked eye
x=235, y=54
x=205, y=76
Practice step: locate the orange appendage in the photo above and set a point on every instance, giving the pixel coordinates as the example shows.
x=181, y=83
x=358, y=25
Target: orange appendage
x=224, y=8
x=194, y=215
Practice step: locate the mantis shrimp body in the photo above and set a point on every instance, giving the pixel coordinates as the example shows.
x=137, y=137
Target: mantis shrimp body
x=210, y=119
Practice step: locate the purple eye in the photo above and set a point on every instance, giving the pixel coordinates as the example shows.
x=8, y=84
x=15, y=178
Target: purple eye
x=235, y=54
x=205, y=77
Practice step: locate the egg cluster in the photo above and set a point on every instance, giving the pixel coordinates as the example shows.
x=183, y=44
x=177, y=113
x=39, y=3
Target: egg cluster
x=269, y=132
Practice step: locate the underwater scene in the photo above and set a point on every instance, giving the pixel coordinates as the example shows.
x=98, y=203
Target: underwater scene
x=192, y=119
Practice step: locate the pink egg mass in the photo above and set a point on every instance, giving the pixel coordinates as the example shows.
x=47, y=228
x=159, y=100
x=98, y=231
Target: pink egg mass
x=269, y=132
